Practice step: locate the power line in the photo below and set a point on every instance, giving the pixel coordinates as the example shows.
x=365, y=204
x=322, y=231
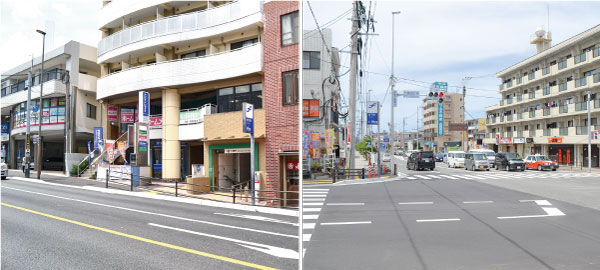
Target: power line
x=319, y=28
x=327, y=24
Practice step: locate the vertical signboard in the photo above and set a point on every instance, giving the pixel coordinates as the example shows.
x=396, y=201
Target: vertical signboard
x=110, y=150
x=122, y=149
x=112, y=113
x=98, y=134
x=372, y=112
x=305, y=143
x=440, y=119
x=144, y=107
x=316, y=144
x=248, y=117
x=141, y=144
x=395, y=98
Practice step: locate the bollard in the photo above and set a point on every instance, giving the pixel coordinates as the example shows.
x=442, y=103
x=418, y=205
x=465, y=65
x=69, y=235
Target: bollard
x=375, y=173
x=363, y=173
x=176, y=188
x=131, y=182
x=233, y=195
x=107, y=175
x=335, y=172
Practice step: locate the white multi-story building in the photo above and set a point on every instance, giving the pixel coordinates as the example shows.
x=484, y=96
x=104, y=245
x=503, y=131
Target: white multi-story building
x=79, y=60
x=544, y=100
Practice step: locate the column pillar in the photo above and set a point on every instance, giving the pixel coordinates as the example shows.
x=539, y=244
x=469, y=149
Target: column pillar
x=104, y=119
x=171, y=149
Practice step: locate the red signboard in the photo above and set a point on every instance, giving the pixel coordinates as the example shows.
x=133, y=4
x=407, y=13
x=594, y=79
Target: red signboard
x=112, y=112
x=555, y=140
x=310, y=108
x=291, y=165
x=127, y=115
x=156, y=121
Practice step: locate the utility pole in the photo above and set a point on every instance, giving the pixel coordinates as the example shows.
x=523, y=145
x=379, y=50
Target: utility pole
x=353, y=69
x=393, y=82
x=378, y=142
x=589, y=128
x=402, y=136
x=28, y=132
x=462, y=132
x=39, y=140
x=417, y=127
x=67, y=116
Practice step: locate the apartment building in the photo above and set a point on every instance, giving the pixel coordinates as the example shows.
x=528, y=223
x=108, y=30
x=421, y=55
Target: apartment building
x=199, y=61
x=79, y=62
x=475, y=133
x=544, y=106
x=320, y=95
x=436, y=123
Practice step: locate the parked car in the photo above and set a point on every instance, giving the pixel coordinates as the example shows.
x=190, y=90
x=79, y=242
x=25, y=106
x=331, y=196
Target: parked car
x=445, y=158
x=456, y=159
x=476, y=161
x=490, y=154
x=439, y=157
x=540, y=163
x=386, y=157
x=421, y=160
x=509, y=161
x=4, y=169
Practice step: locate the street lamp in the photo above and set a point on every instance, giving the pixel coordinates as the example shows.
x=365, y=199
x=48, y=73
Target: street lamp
x=39, y=141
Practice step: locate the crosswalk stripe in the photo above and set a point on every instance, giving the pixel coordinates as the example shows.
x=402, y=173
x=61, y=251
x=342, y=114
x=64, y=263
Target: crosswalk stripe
x=311, y=209
x=308, y=226
x=313, y=200
x=448, y=176
x=306, y=237
x=422, y=176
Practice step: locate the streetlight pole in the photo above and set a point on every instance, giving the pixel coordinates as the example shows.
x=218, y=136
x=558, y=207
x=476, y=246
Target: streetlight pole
x=589, y=129
x=28, y=132
x=393, y=82
x=39, y=141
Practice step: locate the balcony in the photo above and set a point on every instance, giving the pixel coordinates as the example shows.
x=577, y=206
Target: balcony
x=548, y=132
x=546, y=71
x=509, y=134
x=562, y=87
x=519, y=98
x=501, y=87
x=581, y=130
x=531, y=76
x=520, y=80
x=509, y=101
x=579, y=58
x=501, y=102
x=168, y=30
x=519, y=116
x=501, y=119
x=597, y=78
x=509, y=84
x=494, y=120
x=546, y=112
x=52, y=88
x=532, y=94
x=509, y=117
x=532, y=133
x=581, y=106
x=596, y=103
x=580, y=82
x=520, y=133
x=225, y=65
x=487, y=121
x=547, y=91
x=564, y=131
x=531, y=114
x=563, y=109
x=562, y=64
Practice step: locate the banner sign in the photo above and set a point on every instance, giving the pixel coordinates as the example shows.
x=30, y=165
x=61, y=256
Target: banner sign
x=127, y=115
x=331, y=136
x=372, y=112
x=292, y=165
x=248, y=115
x=327, y=142
x=305, y=143
x=98, y=135
x=156, y=121
x=110, y=150
x=112, y=112
x=316, y=144
x=506, y=140
x=440, y=119
x=395, y=98
x=555, y=140
x=349, y=137
x=144, y=107
x=122, y=148
x=89, y=152
x=310, y=107
x=519, y=140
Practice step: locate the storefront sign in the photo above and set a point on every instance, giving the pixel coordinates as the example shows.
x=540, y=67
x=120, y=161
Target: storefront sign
x=329, y=140
x=529, y=140
x=144, y=107
x=310, y=107
x=506, y=140
x=248, y=117
x=110, y=150
x=372, y=113
x=190, y=116
x=121, y=147
x=305, y=143
x=156, y=121
x=98, y=135
x=5, y=131
x=127, y=115
x=292, y=165
x=237, y=151
x=519, y=140
x=555, y=140
x=316, y=144
x=112, y=113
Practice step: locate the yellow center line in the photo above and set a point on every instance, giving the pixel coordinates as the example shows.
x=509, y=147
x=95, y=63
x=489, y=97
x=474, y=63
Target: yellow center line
x=193, y=251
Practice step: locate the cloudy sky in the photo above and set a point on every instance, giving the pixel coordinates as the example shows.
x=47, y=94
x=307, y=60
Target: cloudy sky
x=73, y=20
x=447, y=41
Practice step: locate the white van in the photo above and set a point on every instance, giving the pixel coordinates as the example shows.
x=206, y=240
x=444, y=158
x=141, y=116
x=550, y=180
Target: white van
x=490, y=154
x=456, y=159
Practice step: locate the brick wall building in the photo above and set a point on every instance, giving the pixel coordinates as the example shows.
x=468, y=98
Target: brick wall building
x=281, y=90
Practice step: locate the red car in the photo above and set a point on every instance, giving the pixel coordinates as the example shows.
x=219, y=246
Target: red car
x=540, y=162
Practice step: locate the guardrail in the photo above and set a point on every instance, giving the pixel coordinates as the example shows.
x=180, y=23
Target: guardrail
x=342, y=173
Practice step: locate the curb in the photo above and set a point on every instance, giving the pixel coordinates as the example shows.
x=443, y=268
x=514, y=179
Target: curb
x=250, y=208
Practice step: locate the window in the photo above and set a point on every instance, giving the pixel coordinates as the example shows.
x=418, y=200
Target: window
x=311, y=60
x=290, y=87
x=90, y=111
x=193, y=54
x=241, y=44
x=230, y=99
x=289, y=29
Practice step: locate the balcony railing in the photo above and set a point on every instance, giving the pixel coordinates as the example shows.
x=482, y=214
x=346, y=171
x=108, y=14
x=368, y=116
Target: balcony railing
x=520, y=80
x=581, y=130
x=548, y=132
x=597, y=78
x=546, y=71
x=531, y=76
x=501, y=119
x=520, y=133
x=581, y=106
x=546, y=91
x=509, y=117
x=174, y=25
x=596, y=52
x=49, y=75
x=531, y=114
x=562, y=65
x=519, y=98
x=487, y=121
x=501, y=102
x=531, y=95
x=596, y=103
x=579, y=58
x=532, y=133
x=519, y=116
x=562, y=87
x=494, y=120
x=509, y=84
x=564, y=131
x=509, y=101
x=501, y=87
x=509, y=134
x=546, y=112
x=581, y=82
x=563, y=109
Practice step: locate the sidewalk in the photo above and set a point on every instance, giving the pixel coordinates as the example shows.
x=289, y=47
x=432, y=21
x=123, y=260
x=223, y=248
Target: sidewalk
x=578, y=169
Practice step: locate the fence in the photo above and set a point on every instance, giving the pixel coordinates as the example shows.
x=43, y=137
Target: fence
x=342, y=173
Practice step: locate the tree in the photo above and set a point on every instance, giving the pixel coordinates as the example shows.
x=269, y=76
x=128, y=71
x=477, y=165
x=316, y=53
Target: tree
x=363, y=147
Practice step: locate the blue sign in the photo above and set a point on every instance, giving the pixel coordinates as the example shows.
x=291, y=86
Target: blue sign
x=89, y=152
x=142, y=143
x=156, y=143
x=386, y=139
x=248, y=117
x=98, y=135
x=5, y=127
x=144, y=107
x=372, y=113
x=35, y=108
x=369, y=144
x=157, y=167
x=382, y=146
x=440, y=119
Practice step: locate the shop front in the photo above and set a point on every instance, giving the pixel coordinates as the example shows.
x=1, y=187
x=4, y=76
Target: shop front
x=229, y=164
x=562, y=153
x=595, y=156
x=290, y=177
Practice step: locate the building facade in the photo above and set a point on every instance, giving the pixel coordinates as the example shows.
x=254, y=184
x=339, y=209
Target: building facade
x=436, y=123
x=544, y=108
x=475, y=133
x=79, y=62
x=199, y=61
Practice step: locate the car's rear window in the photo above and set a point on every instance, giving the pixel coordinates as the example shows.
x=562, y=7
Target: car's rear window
x=426, y=154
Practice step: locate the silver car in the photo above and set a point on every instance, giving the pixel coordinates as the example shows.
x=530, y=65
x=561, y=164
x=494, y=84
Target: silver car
x=476, y=161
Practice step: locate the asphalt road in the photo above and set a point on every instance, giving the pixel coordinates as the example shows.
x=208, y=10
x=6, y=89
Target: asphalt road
x=448, y=219
x=55, y=227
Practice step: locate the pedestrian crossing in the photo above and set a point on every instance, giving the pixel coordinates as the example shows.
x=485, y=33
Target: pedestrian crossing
x=307, y=182
x=496, y=175
x=313, y=200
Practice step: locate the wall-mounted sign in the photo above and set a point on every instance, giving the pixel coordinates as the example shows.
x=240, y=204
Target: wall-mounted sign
x=555, y=140
x=127, y=115
x=310, y=107
x=156, y=121
x=112, y=112
x=248, y=117
x=237, y=151
x=144, y=107
x=529, y=140
x=519, y=140
x=506, y=140
x=457, y=127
